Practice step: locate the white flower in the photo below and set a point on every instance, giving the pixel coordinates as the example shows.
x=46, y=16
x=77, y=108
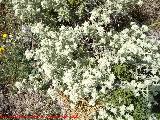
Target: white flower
x=62, y=28
x=51, y=93
x=145, y=28
x=119, y=6
x=67, y=47
x=74, y=46
x=65, y=52
x=29, y=8
x=102, y=112
x=73, y=96
x=37, y=28
x=147, y=82
x=119, y=118
x=136, y=93
x=115, y=36
x=15, y=6
x=72, y=106
x=94, y=94
x=18, y=85
x=130, y=107
x=94, y=14
x=141, y=85
x=134, y=27
x=51, y=34
x=140, y=2
x=109, y=33
x=86, y=90
x=110, y=118
x=154, y=71
x=100, y=31
x=16, y=12
x=38, y=10
x=76, y=63
x=92, y=59
x=111, y=77
x=85, y=27
x=143, y=36
x=149, y=105
x=92, y=102
x=103, y=90
x=29, y=54
x=47, y=67
x=129, y=117
x=102, y=40
x=125, y=31
x=109, y=84
x=122, y=109
x=25, y=29
x=114, y=110
x=122, y=59
x=66, y=92
x=102, y=63
x=31, y=77
x=67, y=78
x=105, y=18
x=147, y=58
x=58, y=46
x=129, y=58
x=44, y=4
x=97, y=73
x=85, y=74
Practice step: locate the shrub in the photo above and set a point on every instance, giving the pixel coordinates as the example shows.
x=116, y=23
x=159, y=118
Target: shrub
x=85, y=58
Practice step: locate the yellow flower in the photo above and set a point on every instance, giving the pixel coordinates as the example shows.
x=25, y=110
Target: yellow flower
x=2, y=49
x=4, y=35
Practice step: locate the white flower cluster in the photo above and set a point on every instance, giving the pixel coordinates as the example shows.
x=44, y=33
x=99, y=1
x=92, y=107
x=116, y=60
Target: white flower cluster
x=77, y=72
x=124, y=46
x=18, y=85
x=29, y=54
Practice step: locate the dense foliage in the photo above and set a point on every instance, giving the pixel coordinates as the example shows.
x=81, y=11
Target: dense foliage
x=92, y=49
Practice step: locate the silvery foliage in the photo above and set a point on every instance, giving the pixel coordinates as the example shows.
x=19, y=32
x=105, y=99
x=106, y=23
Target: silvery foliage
x=153, y=34
x=79, y=77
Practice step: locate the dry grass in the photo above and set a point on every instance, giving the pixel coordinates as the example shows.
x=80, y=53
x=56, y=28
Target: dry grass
x=148, y=13
x=26, y=103
x=8, y=22
x=82, y=109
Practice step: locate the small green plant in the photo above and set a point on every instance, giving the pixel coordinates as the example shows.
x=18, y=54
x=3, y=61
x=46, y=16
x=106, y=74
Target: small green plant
x=155, y=25
x=125, y=97
x=123, y=72
x=141, y=112
x=74, y=3
x=14, y=66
